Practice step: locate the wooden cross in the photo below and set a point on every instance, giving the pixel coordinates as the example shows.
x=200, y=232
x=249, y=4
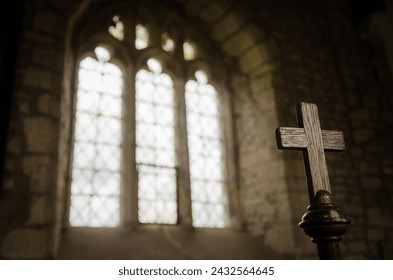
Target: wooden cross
x=313, y=142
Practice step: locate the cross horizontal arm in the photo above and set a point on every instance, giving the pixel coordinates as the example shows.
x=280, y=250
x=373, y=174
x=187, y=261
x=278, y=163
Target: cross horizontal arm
x=290, y=138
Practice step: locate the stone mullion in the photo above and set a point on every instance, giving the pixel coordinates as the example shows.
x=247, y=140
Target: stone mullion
x=183, y=170
x=129, y=195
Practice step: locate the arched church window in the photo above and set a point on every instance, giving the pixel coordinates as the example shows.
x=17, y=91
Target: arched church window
x=155, y=145
x=97, y=146
x=149, y=144
x=208, y=195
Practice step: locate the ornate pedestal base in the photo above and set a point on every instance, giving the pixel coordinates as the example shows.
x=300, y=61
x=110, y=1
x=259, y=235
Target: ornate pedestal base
x=325, y=224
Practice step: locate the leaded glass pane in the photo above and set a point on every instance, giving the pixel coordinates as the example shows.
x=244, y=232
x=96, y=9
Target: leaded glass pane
x=95, y=185
x=103, y=55
x=208, y=193
x=168, y=44
x=117, y=30
x=155, y=146
x=157, y=194
x=189, y=52
x=155, y=66
x=141, y=37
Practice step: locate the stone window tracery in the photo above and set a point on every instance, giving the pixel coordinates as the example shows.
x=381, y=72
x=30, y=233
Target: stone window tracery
x=147, y=137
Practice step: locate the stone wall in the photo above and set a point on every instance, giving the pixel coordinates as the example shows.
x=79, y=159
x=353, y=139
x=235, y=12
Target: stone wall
x=309, y=51
x=279, y=53
x=29, y=185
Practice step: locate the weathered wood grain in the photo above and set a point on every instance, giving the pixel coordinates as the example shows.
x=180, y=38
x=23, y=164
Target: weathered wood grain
x=313, y=141
x=293, y=138
x=314, y=155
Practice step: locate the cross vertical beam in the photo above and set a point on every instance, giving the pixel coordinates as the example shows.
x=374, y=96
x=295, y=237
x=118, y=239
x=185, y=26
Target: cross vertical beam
x=314, y=154
x=323, y=222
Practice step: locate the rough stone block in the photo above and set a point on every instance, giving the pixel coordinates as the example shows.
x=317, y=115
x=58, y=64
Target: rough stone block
x=370, y=182
x=239, y=82
x=45, y=21
x=375, y=234
x=252, y=58
x=38, y=78
x=8, y=184
x=194, y=7
x=34, y=37
x=363, y=135
x=264, y=93
x=360, y=115
x=357, y=246
x=48, y=104
x=352, y=208
x=238, y=43
x=214, y=9
x=285, y=213
x=375, y=217
x=45, y=56
x=13, y=144
x=269, y=67
x=24, y=106
x=40, y=134
x=226, y=26
x=274, y=238
x=39, y=169
x=10, y=164
x=39, y=213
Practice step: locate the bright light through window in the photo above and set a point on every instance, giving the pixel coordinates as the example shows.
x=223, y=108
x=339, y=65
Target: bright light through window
x=155, y=151
x=96, y=170
x=141, y=37
x=102, y=54
x=117, y=30
x=97, y=161
x=208, y=191
x=168, y=44
x=155, y=66
x=189, y=51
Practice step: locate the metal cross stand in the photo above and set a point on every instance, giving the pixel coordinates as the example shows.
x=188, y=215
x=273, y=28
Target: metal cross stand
x=323, y=221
